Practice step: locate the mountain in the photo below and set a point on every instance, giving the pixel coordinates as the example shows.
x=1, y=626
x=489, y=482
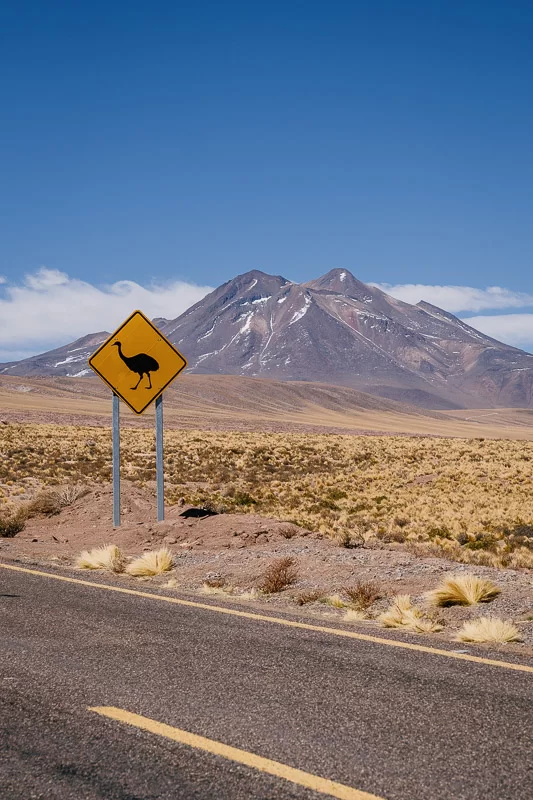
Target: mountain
x=334, y=330
x=69, y=360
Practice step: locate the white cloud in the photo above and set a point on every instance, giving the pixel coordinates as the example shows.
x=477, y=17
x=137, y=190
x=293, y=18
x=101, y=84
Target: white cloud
x=49, y=309
x=458, y=298
x=3, y=279
x=515, y=329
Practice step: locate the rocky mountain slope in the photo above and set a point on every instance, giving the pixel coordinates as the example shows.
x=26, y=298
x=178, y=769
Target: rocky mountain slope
x=333, y=330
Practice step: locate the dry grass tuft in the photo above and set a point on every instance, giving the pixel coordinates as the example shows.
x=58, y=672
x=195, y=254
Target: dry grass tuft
x=354, y=615
x=334, y=600
x=403, y=614
x=463, y=590
x=278, y=575
x=154, y=562
x=170, y=584
x=395, y=615
x=106, y=557
x=422, y=624
x=249, y=594
x=489, y=629
x=362, y=595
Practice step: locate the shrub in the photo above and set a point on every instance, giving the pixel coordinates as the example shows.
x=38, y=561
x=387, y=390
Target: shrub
x=309, y=597
x=69, y=494
x=350, y=539
x=244, y=499
x=214, y=583
x=483, y=541
x=278, y=575
x=11, y=525
x=51, y=501
x=209, y=588
x=288, y=531
x=523, y=557
x=463, y=590
x=45, y=504
x=439, y=531
x=363, y=594
x=154, y=562
x=488, y=629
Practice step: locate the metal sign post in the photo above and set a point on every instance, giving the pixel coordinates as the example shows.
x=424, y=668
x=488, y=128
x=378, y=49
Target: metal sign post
x=138, y=352
x=159, y=469
x=116, y=460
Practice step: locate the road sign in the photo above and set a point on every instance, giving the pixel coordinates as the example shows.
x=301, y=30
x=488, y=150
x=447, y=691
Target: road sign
x=137, y=362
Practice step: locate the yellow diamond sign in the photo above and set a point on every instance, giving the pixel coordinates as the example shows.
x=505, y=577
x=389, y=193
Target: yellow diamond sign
x=137, y=362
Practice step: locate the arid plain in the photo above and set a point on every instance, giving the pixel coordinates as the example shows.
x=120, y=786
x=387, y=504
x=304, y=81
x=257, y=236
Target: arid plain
x=357, y=491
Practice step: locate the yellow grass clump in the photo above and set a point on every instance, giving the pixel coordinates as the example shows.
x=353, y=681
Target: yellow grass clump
x=488, y=629
x=354, y=615
x=106, y=557
x=334, y=600
x=403, y=614
x=154, y=562
x=463, y=590
x=395, y=615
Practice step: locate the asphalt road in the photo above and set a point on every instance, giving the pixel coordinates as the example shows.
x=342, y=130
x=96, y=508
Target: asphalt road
x=400, y=724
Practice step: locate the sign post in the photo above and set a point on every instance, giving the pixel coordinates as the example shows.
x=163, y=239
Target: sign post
x=138, y=352
x=116, y=460
x=159, y=472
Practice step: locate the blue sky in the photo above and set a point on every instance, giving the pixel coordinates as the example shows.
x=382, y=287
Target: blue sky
x=175, y=143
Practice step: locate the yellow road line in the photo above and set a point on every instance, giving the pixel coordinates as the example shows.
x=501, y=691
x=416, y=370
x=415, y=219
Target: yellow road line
x=298, y=776
x=364, y=637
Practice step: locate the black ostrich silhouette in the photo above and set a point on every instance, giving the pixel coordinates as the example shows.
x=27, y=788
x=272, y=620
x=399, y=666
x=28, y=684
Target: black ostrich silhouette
x=142, y=364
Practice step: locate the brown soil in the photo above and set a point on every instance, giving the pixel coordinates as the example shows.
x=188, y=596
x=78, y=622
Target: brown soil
x=238, y=547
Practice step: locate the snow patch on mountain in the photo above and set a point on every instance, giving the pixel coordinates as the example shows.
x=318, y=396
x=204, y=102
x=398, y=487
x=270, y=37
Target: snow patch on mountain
x=68, y=360
x=209, y=332
x=248, y=322
x=302, y=312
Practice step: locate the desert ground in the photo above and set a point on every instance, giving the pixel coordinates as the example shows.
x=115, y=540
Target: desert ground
x=225, y=402
x=367, y=498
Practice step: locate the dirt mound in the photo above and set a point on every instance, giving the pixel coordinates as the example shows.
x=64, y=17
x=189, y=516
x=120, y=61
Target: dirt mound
x=88, y=523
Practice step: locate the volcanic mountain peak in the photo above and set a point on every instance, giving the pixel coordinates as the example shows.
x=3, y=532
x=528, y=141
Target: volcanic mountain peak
x=334, y=329
x=341, y=281
x=253, y=283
